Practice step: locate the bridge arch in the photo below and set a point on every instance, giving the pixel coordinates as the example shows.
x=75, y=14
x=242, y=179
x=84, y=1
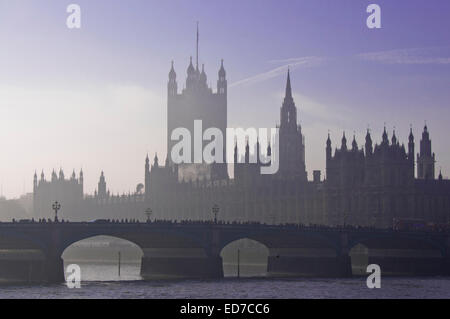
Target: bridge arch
x=396, y=253
x=296, y=252
x=104, y=258
x=245, y=257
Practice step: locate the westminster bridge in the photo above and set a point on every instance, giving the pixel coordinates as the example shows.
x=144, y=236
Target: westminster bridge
x=33, y=250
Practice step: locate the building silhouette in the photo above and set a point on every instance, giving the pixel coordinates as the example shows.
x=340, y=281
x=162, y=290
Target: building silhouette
x=58, y=188
x=197, y=101
x=368, y=185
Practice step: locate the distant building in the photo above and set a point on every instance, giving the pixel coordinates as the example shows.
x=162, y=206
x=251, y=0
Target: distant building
x=68, y=192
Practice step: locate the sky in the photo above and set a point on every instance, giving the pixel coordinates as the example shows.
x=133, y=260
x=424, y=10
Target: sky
x=95, y=97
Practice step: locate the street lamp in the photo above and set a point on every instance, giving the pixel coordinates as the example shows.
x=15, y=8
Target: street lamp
x=56, y=207
x=148, y=212
x=215, y=210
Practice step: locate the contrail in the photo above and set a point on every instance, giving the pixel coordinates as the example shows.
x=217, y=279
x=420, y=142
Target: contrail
x=293, y=63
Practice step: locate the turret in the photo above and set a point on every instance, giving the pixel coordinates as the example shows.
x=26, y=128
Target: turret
x=368, y=146
x=394, y=138
x=257, y=151
x=426, y=159
x=411, y=152
x=354, y=144
x=191, y=76
x=35, y=182
x=328, y=148
x=102, y=186
x=147, y=177
x=385, y=137
x=147, y=164
x=156, y=161
x=222, y=82
x=247, y=153
x=81, y=181
x=172, y=86
x=411, y=145
x=203, y=77
x=344, y=143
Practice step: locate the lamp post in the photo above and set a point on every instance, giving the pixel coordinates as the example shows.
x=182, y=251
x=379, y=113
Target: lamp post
x=56, y=207
x=215, y=210
x=148, y=212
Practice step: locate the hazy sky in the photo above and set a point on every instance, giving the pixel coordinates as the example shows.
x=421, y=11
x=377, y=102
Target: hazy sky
x=96, y=97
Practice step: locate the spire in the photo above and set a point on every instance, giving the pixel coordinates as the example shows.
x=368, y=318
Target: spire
x=247, y=152
x=394, y=138
x=385, y=136
x=368, y=146
x=344, y=142
x=354, y=143
x=288, y=85
x=222, y=73
x=203, y=77
x=411, y=136
x=156, y=164
x=172, y=73
x=190, y=69
x=329, y=140
x=368, y=137
x=425, y=134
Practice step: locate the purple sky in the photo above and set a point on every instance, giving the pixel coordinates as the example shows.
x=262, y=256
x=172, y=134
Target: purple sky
x=96, y=97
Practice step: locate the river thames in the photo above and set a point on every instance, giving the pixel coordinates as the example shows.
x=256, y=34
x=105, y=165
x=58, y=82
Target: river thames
x=103, y=281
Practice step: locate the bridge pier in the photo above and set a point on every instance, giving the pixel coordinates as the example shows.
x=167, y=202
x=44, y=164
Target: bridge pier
x=309, y=263
x=30, y=266
x=53, y=270
x=180, y=264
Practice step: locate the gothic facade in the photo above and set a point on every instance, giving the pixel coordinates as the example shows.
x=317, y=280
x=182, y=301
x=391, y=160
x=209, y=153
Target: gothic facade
x=367, y=185
x=370, y=185
x=196, y=102
x=58, y=188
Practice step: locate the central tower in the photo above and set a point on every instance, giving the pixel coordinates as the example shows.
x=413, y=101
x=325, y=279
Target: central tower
x=197, y=101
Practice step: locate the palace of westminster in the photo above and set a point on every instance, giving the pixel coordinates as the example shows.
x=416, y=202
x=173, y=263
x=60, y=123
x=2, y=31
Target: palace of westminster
x=369, y=186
